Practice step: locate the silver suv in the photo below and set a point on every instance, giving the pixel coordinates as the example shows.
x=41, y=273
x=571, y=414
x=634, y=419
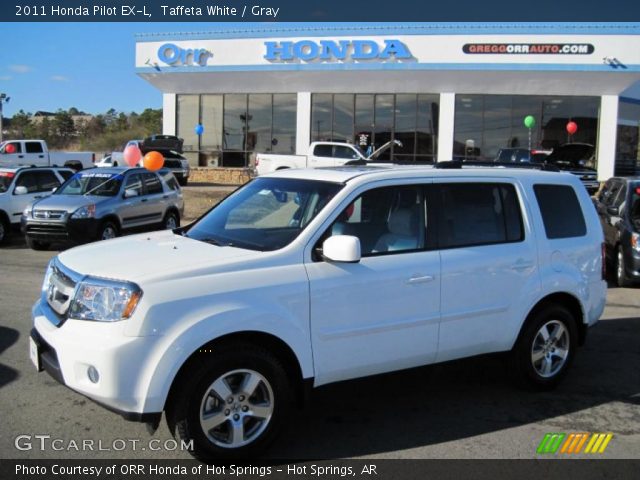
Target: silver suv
x=101, y=203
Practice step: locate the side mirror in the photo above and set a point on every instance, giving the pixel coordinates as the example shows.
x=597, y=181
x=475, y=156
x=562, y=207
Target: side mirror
x=342, y=248
x=20, y=190
x=130, y=192
x=615, y=211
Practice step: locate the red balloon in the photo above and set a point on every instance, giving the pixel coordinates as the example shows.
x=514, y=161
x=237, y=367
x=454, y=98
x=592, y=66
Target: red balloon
x=153, y=161
x=572, y=127
x=11, y=148
x=132, y=155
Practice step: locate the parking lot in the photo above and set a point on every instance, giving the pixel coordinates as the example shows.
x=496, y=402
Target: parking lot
x=463, y=409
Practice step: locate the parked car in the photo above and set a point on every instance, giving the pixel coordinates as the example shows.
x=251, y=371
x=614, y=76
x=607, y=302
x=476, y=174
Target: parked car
x=108, y=161
x=321, y=154
x=102, y=203
x=618, y=205
x=576, y=158
x=36, y=153
x=310, y=276
x=521, y=155
x=20, y=187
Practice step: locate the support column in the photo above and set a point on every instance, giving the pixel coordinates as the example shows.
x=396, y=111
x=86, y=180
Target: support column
x=607, y=133
x=303, y=123
x=169, y=114
x=445, y=126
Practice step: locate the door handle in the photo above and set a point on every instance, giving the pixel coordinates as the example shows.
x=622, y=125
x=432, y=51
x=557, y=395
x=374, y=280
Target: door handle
x=37, y=197
x=521, y=265
x=144, y=199
x=420, y=279
x=20, y=156
x=165, y=196
x=40, y=156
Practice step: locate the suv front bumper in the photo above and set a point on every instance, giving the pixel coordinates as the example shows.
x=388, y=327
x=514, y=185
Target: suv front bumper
x=68, y=350
x=69, y=230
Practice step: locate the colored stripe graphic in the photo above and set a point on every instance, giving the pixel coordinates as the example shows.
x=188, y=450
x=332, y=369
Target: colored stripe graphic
x=598, y=442
x=551, y=442
x=574, y=443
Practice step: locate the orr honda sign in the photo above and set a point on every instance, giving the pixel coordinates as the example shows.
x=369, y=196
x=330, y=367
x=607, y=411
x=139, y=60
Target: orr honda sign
x=331, y=50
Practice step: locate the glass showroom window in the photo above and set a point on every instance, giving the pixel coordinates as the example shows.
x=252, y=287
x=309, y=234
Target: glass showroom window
x=486, y=123
x=236, y=126
x=628, y=138
x=371, y=120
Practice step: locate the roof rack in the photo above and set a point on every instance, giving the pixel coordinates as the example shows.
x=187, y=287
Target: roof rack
x=454, y=164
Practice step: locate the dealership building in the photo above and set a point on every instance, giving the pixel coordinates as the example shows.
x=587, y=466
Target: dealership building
x=444, y=90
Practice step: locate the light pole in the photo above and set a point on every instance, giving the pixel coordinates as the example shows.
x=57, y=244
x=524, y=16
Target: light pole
x=3, y=99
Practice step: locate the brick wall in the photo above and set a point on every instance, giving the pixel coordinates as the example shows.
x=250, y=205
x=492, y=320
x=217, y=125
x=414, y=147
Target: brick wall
x=223, y=176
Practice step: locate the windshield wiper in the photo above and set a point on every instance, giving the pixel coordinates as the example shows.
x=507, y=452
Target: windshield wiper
x=214, y=241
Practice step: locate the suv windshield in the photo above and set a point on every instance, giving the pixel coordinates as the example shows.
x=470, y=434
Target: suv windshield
x=5, y=180
x=266, y=214
x=92, y=183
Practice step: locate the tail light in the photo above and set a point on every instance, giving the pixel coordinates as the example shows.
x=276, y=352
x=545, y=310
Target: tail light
x=604, y=261
x=93, y=158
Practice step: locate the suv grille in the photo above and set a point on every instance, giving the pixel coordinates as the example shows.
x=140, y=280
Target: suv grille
x=60, y=291
x=49, y=214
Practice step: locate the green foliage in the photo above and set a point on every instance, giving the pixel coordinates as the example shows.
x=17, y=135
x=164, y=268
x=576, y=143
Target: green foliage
x=104, y=132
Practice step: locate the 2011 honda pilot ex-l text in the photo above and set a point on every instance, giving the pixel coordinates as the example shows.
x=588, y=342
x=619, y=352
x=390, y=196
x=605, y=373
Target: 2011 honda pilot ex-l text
x=306, y=277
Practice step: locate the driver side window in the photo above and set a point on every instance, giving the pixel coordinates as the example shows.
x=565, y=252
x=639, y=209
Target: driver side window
x=385, y=220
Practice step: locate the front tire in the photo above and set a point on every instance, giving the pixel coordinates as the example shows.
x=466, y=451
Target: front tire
x=545, y=349
x=231, y=402
x=107, y=230
x=5, y=228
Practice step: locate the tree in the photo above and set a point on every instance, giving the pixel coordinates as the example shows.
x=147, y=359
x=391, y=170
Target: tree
x=63, y=127
x=21, y=125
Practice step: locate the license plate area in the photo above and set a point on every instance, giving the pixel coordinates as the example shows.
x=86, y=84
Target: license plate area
x=34, y=354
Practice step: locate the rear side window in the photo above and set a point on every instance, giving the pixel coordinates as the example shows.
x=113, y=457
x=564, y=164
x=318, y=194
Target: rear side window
x=478, y=214
x=323, y=151
x=561, y=212
x=152, y=182
x=33, y=147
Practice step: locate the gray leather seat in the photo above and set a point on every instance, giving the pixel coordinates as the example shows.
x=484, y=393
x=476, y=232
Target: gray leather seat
x=402, y=232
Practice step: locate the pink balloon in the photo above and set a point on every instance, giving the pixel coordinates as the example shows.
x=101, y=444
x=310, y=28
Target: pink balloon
x=572, y=127
x=132, y=155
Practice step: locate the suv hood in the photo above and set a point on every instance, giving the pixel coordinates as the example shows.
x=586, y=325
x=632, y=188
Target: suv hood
x=571, y=154
x=149, y=255
x=69, y=203
x=161, y=143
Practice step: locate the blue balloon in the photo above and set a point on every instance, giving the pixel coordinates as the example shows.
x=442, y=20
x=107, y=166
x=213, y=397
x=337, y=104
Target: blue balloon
x=199, y=129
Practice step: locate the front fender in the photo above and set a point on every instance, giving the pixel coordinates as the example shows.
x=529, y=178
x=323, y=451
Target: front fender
x=225, y=320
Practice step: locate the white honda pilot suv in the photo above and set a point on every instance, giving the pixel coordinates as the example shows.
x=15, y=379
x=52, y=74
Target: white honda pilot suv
x=305, y=277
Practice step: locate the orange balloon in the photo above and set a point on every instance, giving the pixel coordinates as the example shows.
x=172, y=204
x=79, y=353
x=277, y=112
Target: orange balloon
x=153, y=161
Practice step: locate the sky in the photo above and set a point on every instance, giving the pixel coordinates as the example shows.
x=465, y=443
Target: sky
x=90, y=66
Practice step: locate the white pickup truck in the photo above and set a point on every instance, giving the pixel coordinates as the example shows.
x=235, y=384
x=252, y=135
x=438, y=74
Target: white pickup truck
x=35, y=153
x=322, y=154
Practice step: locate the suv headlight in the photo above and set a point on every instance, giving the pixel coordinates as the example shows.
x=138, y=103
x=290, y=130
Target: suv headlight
x=27, y=211
x=88, y=211
x=104, y=300
x=635, y=241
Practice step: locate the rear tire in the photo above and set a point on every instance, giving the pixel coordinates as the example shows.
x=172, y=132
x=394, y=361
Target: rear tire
x=231, y=402
x=36, y=244
x=171, y=221
x=545, y=348
x=622, y=280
